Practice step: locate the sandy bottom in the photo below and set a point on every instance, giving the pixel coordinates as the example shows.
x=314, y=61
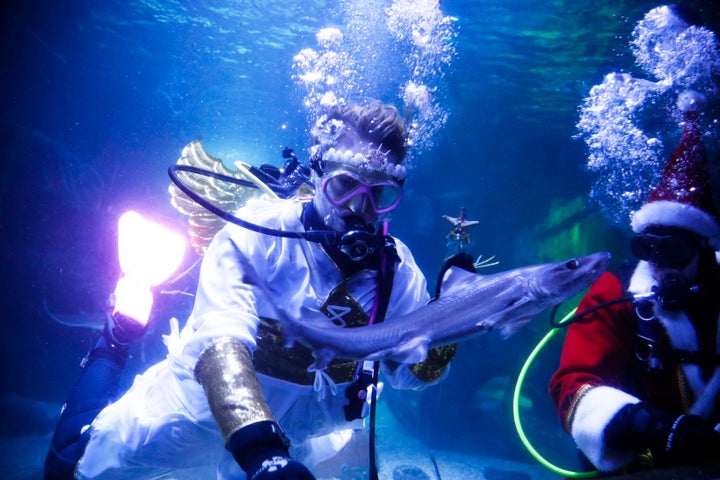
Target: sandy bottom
x=22, y=457
x=400, y=457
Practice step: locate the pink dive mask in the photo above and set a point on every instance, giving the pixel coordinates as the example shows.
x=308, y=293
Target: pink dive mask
x=342, y=187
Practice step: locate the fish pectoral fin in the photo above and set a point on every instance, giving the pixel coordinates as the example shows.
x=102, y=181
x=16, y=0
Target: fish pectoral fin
x=291, y=327
x=313, y=317
x=322, y=357
x=94, y=320
x=413, y=350
x=509, y=328
x=456, y=278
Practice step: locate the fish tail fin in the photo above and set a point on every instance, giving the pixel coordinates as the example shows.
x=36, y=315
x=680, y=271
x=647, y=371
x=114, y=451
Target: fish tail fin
x=92, y=320
x=323, y=357
x=413, y=350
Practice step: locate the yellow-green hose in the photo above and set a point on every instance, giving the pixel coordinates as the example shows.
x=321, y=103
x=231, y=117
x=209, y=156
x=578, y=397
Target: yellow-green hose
x=516, y=410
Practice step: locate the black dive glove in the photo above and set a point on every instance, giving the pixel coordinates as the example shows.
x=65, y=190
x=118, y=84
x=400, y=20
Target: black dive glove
x=261, y=449
x=123, y=330
x=462, y=260
x=674, y=440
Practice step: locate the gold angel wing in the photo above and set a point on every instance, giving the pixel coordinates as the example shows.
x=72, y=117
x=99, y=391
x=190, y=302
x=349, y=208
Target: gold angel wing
x=203, y=225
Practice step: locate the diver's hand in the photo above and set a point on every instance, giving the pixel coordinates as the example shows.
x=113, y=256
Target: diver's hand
x=278, y=467
x=132, y=299
x=130, y=304
x=462, y=260
x=121, y=330
x=261, y=449
x=692, y=439
x=674, y=440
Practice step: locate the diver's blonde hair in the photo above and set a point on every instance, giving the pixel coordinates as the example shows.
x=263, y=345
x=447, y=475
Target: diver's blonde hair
x=378, y=122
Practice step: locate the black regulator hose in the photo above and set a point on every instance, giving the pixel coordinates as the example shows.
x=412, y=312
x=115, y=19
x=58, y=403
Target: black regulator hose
x=318, y=236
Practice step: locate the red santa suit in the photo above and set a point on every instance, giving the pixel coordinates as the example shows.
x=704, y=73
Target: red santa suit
x=600, y=373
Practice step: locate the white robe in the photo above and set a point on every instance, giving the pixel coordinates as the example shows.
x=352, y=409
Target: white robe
x=162, y=427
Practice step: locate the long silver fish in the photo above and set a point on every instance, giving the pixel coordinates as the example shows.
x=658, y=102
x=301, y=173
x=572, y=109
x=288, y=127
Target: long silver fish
x=470, y=304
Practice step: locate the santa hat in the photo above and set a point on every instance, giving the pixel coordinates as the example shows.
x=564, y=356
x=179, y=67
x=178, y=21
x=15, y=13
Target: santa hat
x=684, y=197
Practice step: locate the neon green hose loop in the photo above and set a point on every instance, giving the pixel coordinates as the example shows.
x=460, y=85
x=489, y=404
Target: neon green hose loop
x=516, y=410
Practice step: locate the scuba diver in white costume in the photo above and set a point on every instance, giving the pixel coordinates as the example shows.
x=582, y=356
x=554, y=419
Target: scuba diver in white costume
x=230, y=400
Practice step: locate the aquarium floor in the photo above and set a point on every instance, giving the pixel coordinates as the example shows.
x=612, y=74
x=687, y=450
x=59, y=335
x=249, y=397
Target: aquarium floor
x=21, y=458
x=400, y=457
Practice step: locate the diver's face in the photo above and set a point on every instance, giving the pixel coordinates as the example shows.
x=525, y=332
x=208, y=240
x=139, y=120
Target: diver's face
x=687, y=273
x=350, y=197
x=669, y=252
x=354, y=189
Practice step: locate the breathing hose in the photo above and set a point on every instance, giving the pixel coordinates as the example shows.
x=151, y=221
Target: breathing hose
x=516, y=409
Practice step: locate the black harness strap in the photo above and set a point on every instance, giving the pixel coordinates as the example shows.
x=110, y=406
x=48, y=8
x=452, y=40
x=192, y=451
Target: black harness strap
x=649, y=330
x=366, y=376
x=387, y=275
x=704, y=359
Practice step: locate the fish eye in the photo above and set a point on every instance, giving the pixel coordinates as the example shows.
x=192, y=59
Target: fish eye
x=572, y=264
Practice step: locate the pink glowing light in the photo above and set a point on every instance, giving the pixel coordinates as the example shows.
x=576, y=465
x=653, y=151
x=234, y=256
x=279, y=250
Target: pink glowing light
x=149, y=255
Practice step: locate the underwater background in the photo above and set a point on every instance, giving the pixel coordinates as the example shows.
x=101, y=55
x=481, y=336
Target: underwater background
x=99, y=98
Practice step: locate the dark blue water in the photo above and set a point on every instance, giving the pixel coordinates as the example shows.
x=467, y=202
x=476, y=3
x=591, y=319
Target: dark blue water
x=98, y=99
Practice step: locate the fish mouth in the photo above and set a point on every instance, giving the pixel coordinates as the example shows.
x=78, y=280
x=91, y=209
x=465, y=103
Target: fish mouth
x=598, y=261
x=571, y=277
x=601, y=263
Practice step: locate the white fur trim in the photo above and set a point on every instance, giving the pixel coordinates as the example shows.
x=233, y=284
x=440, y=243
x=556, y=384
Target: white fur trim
x=691, y=101
x=642, y=280
x=683, y=337
x=679, y=329
x=677, y=325
x=705, y=403
x=675, y=214
x=592, y=415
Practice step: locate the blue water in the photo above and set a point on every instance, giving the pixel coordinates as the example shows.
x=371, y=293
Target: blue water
x=98, y=99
